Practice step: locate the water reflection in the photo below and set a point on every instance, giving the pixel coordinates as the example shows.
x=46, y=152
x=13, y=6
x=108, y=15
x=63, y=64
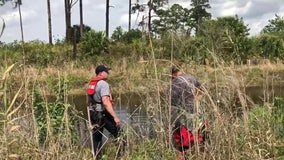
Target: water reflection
x=261, y=94
x=129, y=105
x=126, y=106
x=131, y=112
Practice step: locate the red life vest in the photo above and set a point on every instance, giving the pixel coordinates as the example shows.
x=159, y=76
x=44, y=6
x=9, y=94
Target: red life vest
x=91, y=90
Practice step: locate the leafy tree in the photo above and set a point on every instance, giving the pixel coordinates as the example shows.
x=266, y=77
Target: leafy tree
x=117, y=34
x=199, y=13
x=275, y=26
x=153, y=6
x=228, y=36
x=270, y=46
x=130, y=36
x=127, y=37
x=175, y=19
x=76, y=36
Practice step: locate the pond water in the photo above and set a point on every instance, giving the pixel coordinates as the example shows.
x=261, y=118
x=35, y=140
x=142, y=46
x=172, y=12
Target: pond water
x=125, y=105
x=130, y=110
x=130, y=104
x=260, y=94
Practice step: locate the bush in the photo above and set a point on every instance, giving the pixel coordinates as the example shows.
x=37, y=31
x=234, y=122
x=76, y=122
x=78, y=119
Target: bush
x=94, y=43
x=271, y=46
x=266, y=124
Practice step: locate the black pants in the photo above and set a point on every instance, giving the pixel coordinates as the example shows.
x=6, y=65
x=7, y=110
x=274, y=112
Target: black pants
x=102, y=120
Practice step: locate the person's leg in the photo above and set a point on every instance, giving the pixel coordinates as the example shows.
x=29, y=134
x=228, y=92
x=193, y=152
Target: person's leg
x=110, y=125
x=97, y=142
x=115, y=132
x=95, y=117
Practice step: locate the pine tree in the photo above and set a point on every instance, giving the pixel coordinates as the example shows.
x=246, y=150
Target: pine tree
x=199, y=13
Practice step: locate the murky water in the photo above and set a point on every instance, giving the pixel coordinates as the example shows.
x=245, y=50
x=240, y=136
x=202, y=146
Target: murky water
x=130, y=104
x=130, y=110
x=125, y=105
x=260, y=94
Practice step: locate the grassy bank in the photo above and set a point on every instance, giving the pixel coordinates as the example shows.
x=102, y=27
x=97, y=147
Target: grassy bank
x=33, y=128
x=130, y=76
x=243, y=131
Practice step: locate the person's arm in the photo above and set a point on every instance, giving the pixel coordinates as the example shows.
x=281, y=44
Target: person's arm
x=199, y=91
x=87, y=100
x=108, y=106
x=176, y=94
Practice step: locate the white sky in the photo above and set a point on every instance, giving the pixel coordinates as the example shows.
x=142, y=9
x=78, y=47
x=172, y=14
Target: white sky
x=255, y=13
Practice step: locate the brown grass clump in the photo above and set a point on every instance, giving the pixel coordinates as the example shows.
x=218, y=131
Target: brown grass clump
x=239, y=129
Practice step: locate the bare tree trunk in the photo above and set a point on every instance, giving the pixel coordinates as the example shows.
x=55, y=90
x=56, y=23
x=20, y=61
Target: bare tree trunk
x=3, y=27
x=21, y=21
x=149, y=19
x=129, y=16
x=49, y=22
x=107, y=18
x=75, y=43
x=68, y=21
x=81, y=18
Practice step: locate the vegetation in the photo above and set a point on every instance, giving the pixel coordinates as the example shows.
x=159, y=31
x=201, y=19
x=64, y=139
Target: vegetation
x=238, y=128
x=220, y=53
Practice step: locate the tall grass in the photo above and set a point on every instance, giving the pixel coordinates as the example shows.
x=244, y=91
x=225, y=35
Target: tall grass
x=239, y=129
x=34, y=128
x=28, y=134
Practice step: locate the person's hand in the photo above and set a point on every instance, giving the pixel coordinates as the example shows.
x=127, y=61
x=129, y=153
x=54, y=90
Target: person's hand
x=117, y=121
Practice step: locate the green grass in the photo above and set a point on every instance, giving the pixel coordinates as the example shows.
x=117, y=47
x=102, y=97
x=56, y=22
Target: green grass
x=239, y=129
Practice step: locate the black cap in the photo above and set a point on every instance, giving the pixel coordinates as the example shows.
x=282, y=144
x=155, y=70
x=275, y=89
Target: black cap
x=174, y=70
x=101, y=68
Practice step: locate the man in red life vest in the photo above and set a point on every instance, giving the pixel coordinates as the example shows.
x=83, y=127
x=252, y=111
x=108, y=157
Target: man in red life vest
x=101, y=112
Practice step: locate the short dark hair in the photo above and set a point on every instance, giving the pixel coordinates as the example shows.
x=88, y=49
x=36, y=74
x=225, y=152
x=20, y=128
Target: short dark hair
x=101, y=68
x=175, y=70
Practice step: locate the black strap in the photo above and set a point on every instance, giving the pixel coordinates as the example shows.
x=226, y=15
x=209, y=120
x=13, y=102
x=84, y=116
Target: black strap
x=92, y=100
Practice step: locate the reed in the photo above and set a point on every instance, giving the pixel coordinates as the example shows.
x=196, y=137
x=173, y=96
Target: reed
x=34, y=128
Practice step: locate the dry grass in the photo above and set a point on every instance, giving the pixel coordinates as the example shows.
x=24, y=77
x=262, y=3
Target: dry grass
x=19, y=132
x=224, y=102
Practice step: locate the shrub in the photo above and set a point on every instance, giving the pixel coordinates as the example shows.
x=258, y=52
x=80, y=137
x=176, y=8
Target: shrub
x=94, y=43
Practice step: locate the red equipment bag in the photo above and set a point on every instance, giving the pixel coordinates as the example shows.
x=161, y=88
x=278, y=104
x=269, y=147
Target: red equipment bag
x=183, y=138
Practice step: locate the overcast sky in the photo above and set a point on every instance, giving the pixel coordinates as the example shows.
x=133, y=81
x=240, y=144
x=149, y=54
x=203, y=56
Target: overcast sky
x=255, y=13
